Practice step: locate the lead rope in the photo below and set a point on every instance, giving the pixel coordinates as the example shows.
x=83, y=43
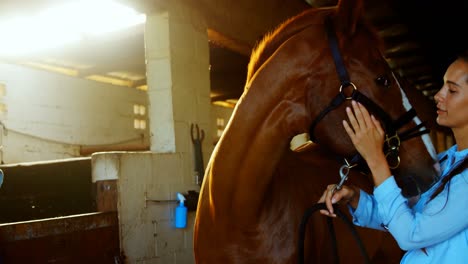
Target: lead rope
x=302, y=228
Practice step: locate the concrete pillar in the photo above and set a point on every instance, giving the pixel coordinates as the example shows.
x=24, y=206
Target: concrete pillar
x=177, y=63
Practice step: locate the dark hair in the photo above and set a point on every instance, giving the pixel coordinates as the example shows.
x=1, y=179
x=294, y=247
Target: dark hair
x=442, y=186
x=463, y=55
x=458, y=170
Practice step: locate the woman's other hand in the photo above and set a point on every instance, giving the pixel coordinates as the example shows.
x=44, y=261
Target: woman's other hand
x=347, y=194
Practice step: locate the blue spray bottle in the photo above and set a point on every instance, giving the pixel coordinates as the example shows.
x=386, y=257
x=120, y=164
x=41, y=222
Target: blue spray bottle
x=181, y=213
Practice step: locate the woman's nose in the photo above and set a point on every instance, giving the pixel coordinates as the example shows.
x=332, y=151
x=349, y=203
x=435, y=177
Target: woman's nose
x=438, y=96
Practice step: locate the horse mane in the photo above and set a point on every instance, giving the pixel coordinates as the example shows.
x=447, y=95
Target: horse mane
x=274, y=39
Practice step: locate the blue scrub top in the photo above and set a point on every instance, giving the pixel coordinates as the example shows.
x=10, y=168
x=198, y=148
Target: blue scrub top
x=440, y=225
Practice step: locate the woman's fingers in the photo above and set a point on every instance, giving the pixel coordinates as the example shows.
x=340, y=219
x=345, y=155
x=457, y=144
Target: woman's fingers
x=349, y=130
x=359, y=117
x=326, y=198
x=359, y=114
x=361, y=123
x=378, y=126
x=332, y=196
x=352, y=120
x=364, y=116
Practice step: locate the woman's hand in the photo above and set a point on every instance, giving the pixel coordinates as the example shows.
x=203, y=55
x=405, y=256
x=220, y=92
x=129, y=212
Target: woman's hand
x=365, y=132
x=348, y=194
x=368, y=138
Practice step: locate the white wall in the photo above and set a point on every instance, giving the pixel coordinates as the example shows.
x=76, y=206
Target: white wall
x=49, y=116
x=52, y=116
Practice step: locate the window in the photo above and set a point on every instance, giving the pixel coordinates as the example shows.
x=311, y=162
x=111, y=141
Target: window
x=139, y=121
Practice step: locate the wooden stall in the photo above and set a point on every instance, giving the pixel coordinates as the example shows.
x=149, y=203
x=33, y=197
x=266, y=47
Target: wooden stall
x=48, y=215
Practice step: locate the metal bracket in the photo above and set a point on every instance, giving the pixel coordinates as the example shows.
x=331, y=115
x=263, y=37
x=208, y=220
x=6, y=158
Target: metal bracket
x=156, y=201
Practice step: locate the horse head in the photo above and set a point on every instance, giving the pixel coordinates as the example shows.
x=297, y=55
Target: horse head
x=300, y=79
x=346, y=63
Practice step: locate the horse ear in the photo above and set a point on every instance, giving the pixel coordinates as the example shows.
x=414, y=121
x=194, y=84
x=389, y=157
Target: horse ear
x=349, y=14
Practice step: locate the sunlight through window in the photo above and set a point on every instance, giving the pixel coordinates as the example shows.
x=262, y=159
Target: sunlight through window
x=64, y=24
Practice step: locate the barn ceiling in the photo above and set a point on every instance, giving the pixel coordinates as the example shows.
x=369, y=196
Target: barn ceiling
x=421, y=37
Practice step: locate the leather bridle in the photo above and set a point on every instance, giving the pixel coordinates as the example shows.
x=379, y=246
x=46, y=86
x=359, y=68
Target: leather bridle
x=391, y=127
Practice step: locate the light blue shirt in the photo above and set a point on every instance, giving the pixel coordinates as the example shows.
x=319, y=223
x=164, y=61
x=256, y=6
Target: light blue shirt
x=440, y=225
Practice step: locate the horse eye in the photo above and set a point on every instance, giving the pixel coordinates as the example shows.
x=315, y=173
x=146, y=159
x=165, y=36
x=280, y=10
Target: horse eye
x=383, y=81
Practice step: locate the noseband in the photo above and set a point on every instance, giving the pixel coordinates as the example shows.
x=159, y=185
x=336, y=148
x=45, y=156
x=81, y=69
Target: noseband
x=391, y=127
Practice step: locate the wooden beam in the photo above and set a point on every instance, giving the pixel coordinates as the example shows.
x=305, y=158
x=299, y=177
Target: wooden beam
x=404, y=62
x=415, y=71
x=402, y=49
x=139, y=82
x=229, y=43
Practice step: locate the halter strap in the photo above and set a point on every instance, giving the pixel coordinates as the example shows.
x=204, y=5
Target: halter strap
x=335, y=50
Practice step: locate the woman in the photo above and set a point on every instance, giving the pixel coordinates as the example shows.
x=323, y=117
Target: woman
x=435, y=229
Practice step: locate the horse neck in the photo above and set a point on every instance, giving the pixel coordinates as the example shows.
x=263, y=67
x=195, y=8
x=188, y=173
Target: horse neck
x=268, y=115
x=251, y=146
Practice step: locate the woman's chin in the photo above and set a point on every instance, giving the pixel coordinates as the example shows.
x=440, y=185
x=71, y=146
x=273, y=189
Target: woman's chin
x=440, y=120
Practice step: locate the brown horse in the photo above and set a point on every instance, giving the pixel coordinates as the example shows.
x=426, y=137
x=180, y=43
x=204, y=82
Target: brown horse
x=256, y=189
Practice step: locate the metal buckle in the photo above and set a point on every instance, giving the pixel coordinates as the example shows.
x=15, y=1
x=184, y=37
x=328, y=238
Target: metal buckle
x=354, y=89
x=344, y=171
x=390, y=157
x=393, y=139
x=393, y=144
